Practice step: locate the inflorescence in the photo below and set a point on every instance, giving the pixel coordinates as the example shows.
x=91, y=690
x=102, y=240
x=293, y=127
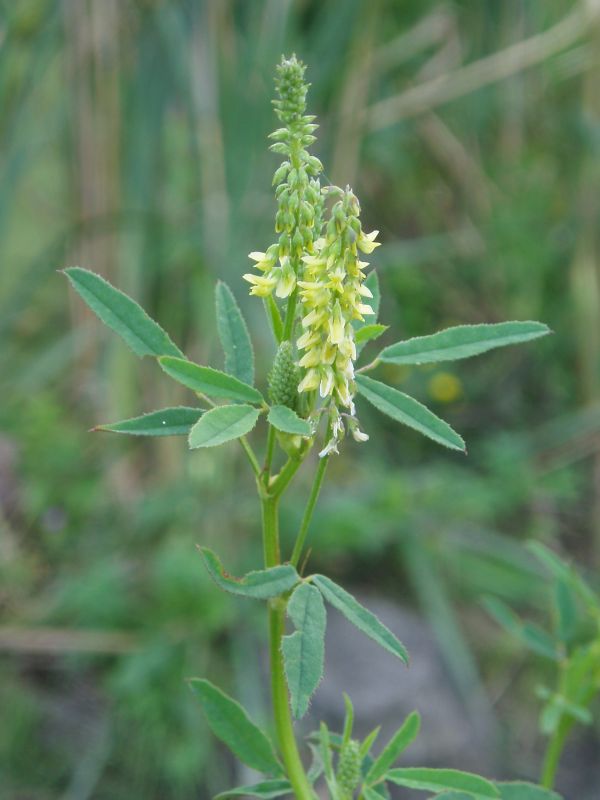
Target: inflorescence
x=315, y=261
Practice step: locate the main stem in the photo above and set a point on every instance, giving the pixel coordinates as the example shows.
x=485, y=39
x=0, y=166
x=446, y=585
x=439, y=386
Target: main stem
x=553, y=754
x=281, y=709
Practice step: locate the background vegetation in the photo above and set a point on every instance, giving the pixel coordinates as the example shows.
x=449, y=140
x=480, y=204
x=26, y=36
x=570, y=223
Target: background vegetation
x=133, y=142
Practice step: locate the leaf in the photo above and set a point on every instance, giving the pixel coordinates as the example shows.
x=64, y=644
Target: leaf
x=223, y=424
x=462, y=341
x=566, y=610
x=408, y=411
x=348, y=720
x=359, y=616
x=168, y=422
x=453, y=796
x=520, y=790
x=122, y=314
x=261, y=584
x=264, y=790
x=397, y=744
x=560, y=569
x=370, y=794
x=207, y=380
x=527, y=633
x=369, y=332
x=304, y=650
x=325, y=751
x=234, y=336
x=369, y=741
x=231, y=724
x=437, y=780
x=286, y=420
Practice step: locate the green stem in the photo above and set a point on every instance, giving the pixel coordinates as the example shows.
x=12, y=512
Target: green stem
x=308, y=511
x=553, y=754
x=270, y=450
x=281, y=709
x=289, y=469
x=290, y=314
x=250, y=454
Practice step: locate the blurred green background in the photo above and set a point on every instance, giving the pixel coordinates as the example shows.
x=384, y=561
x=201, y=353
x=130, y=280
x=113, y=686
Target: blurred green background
x=133, y=142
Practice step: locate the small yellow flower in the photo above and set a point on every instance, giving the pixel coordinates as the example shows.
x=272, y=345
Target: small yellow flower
x=263, y=285
x=366, y=242
x=310, y=382
x=286, y=279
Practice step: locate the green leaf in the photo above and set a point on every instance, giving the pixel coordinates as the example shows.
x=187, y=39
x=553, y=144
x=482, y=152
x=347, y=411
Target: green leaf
x=286, y=420
x=566, y=610
x=348, y=720
x=462, y=341
x=527, y=633
x=370, y=794
x=408, y=411
x=453, y=796
x=520, y=790
x=168, y=422
x=369, y=332
x=231, y=724
x=359, y=616
x=122, y=314
x=223, y=424
x=397, y=744
x=325, y=751
x=234, y=336
x=437, y=780
x=560, y=569
x=207, y=380
x=303, y=650
x=369, y=741
x=261, y=584
x=264, y=790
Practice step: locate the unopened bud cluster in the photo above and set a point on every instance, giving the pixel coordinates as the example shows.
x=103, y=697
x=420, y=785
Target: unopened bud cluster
x=298, y=189
x=348, y=772
x=284, y=378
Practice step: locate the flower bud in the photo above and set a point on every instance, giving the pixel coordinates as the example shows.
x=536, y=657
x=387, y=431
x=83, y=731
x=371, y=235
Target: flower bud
x=348, y=771
x=284, y=378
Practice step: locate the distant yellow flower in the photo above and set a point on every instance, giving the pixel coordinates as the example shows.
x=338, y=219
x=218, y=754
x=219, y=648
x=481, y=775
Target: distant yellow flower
x=445, y=387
